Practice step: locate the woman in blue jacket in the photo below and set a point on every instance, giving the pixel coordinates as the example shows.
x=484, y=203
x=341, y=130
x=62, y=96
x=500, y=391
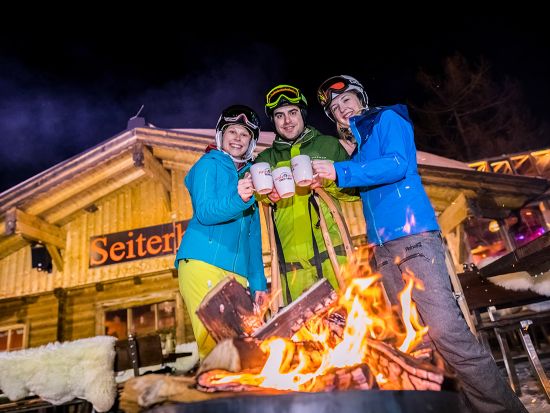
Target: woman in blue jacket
x=402, y=227
x=223, y=236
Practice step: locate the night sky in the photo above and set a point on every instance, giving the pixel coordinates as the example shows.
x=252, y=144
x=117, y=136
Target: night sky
x=64, y=92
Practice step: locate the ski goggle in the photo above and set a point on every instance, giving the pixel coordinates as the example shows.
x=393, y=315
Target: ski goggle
x=241, y=118
x=330, y=86
x=289, y=93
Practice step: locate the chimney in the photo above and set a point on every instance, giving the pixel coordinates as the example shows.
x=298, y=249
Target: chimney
x=136, y=121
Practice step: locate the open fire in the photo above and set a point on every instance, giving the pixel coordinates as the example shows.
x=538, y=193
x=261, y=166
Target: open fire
x=359, y=341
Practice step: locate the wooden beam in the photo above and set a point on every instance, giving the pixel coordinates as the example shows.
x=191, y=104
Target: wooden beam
x=455, y=244
x=174, y=142
x=185, y=157
x=56, y=256
x=11, y=244
x=34, y=228
x=155, y=170
x=180, y=166
x=93, y=194
x=35, y=187
x=74, y=185
x=457, y=212
x=491, y=183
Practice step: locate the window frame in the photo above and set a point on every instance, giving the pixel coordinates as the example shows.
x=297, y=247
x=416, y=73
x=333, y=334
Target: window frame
x=15, y=326
x=145, y=299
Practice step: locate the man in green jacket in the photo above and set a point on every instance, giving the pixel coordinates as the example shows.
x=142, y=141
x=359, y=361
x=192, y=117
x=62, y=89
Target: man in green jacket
x=304, y=257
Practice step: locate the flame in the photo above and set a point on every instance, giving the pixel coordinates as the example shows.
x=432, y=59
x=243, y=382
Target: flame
x=294, y=364
x=414, y=330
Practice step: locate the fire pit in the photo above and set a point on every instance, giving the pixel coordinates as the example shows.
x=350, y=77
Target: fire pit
x=321, y=353
x=323, y=342
x=374, y=401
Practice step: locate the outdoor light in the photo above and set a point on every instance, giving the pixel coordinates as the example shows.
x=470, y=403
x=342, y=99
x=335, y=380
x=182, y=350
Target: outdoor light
x=493, y=226
x=40, y=257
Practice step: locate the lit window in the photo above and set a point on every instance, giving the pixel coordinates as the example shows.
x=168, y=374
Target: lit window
x=485, y=240
x=145, y=319
x=12, y=337
x=526, y=225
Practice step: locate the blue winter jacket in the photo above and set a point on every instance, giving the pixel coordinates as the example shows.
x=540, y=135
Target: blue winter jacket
x=224, y=230
x=384, y=167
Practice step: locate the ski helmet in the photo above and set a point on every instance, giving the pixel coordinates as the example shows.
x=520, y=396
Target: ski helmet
x=283, y=95
x=337, y=85
x=239, y=115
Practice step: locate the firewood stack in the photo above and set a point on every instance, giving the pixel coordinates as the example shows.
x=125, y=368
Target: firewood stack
x=402, y=371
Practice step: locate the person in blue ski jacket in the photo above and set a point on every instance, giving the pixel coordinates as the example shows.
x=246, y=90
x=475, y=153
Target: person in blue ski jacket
x=223, y=238
x=404, y=233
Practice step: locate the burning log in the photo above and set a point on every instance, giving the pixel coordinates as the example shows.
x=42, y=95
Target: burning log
x=400, y=371
x=227, y=311
x=393, y=369
x=234, y=355
x=314, y=302
x=357, y=377
x=240, y=354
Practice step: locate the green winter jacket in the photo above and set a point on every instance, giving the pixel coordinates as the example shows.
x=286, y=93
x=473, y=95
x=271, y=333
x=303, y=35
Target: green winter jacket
x=292, y=214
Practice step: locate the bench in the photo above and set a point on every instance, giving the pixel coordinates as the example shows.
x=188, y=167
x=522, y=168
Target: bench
x=483, y=296
x=142, y=351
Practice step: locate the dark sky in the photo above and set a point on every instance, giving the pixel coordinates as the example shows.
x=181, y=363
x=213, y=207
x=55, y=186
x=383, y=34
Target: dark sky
x=62, y=92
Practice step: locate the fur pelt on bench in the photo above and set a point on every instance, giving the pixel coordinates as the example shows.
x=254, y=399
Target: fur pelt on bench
x=60, y=372
x=523, y=281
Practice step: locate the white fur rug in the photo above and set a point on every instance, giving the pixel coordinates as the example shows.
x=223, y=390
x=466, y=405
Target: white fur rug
x=184, y=364
x=518, y=281
x=60, y=372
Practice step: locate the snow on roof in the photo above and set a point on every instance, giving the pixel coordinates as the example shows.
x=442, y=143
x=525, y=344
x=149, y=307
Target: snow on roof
x=426, y=158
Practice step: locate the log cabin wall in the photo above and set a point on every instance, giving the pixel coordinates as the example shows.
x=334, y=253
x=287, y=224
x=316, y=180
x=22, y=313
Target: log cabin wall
x=141, y=205
x=38, y=315
x=27, y=295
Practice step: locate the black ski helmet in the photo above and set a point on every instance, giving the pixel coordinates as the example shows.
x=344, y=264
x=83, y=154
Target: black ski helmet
x=239, y=115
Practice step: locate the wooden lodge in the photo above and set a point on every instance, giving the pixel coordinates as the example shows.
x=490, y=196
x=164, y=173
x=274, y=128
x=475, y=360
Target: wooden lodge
x=87, y=247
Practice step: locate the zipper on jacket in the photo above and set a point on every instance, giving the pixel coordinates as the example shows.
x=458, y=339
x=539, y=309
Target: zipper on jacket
x=238, y=242
x=373, y=220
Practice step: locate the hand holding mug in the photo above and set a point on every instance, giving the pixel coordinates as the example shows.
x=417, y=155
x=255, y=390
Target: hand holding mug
x=317, y=182
x=325, y=169
x=274, y=196
x=283, y=181
x=301, y=170
x=245, y=187
x=261, y=177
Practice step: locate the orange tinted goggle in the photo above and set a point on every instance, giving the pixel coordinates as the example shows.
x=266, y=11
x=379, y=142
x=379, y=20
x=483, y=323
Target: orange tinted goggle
x=325, y=91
